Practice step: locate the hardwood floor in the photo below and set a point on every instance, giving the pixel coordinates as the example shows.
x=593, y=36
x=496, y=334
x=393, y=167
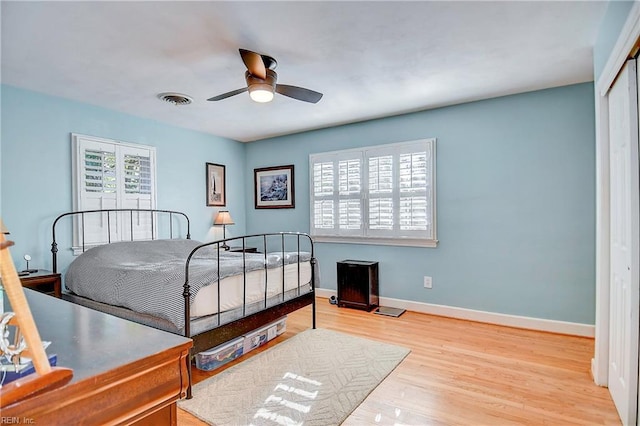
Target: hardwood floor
x=465, y=373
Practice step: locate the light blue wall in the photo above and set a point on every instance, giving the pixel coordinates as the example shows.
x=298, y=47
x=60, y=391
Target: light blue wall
x=612, y=23
x=36, y=166
x=515, y=181
x=515, y=200
x=1, y=147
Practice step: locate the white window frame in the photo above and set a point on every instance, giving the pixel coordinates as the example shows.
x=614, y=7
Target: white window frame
x=365, y=235
x=120, y=223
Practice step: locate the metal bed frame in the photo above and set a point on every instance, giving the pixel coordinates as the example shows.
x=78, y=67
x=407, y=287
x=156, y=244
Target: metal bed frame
x=222, y=332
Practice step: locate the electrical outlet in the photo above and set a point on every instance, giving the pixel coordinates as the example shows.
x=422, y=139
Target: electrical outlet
x=427, y=282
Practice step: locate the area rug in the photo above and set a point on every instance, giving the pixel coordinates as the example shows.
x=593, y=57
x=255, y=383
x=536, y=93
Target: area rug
x=317, y=377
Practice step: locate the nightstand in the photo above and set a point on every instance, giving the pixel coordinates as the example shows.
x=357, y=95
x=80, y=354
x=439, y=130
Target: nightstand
x=245, y=250
x=43, y=281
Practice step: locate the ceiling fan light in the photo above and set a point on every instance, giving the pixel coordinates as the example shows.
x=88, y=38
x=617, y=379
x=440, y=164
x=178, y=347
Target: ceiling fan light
x=261, y=92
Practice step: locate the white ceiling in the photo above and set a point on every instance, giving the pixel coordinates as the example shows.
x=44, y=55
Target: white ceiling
x=370, y=59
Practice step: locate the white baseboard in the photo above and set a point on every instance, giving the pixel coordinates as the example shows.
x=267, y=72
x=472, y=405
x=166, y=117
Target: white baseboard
x=595, y=374
x=552, y=326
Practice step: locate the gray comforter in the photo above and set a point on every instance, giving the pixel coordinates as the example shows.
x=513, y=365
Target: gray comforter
x=148, y=276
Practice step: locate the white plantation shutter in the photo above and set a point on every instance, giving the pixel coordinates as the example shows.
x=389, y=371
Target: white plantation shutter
x=137, y=174
x=323, y=195
x=111, y=175
x=100, y=171
x=414, y=190
x=381, y=211
x=98, y=189
x=349, y=201
x=382, y=178
x=384, y=192
x=136, y=190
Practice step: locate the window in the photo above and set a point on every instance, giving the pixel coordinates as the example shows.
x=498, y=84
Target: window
x=382, y=194
x=112, y=175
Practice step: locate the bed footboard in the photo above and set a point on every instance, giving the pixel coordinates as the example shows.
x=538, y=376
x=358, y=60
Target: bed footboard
x=279, y=246
x=277, y=251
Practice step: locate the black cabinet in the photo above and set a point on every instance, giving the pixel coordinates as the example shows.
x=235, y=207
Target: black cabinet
x=358, y=284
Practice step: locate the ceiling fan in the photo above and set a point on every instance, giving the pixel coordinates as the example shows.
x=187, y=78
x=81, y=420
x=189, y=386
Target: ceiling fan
x=261, y=81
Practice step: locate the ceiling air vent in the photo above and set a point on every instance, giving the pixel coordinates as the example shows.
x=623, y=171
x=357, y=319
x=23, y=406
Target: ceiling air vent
x=175, y=98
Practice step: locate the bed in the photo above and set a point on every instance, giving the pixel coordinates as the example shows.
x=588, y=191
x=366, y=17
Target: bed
x=160, y=277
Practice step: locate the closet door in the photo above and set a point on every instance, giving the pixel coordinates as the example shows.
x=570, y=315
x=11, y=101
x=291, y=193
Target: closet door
x=624, y=286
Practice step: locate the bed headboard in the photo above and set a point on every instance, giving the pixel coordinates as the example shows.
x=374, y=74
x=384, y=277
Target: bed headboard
x=118, y=225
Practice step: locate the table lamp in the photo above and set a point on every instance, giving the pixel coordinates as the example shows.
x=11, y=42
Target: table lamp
x=223, y=218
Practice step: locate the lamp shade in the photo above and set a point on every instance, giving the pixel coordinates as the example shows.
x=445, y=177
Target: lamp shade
x=223, y=218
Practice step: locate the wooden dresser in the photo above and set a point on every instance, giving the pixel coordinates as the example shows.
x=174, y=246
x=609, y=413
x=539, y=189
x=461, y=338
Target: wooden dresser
x=123, y=372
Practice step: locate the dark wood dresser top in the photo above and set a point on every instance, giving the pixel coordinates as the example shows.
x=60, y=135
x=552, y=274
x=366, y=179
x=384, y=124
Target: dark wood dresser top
x=125, y=369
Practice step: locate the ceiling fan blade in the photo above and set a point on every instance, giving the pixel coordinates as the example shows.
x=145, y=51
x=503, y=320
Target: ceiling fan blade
x=254, y=63
x=228, y=94
x=299, y=93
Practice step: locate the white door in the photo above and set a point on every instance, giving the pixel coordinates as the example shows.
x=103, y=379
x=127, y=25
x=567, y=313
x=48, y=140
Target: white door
x=624, y=285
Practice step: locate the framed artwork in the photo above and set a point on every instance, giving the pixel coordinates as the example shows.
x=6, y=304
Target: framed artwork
x=216, y=184
x=274, y=187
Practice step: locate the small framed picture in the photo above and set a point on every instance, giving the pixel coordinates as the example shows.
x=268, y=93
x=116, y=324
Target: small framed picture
x=216, y=183
x=274, y=187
